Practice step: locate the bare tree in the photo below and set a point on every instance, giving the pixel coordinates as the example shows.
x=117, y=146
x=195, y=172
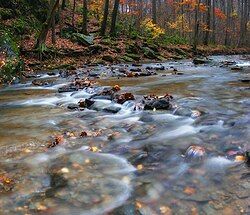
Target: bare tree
x=85, y=18
x=196, y=25
x=46, y=26
x=208, y=22
x=114, y=17
x=154, y=11
x=105, y=18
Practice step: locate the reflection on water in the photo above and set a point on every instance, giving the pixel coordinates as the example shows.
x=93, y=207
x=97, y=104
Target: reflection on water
x=130, y=162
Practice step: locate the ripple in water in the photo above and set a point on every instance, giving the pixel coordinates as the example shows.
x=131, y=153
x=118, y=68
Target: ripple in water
x=76, y=182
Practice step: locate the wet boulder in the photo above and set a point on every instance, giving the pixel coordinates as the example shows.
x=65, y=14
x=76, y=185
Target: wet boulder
x=51, y=73
x=67, y=88
x=180, y=111
x=102, y=97
x=136, y=64
x=122, y=98
x=197, y=61
x=136, y=69
x=42, y=82
x=67, y=73
x=159, y=104
x=156, y=67
x=236, y=68
x=153, y=102
x=73, y=106
x=82, y=83
x=29, y=74
x=86, y=103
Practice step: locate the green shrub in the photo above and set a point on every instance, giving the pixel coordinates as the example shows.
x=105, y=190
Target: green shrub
x=20, y=26
x=175, y=40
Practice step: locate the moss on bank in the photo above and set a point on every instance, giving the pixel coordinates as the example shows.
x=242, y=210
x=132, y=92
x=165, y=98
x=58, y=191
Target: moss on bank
x=10, y=63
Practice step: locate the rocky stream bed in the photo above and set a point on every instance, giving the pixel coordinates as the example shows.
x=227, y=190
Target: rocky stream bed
x=158, y=138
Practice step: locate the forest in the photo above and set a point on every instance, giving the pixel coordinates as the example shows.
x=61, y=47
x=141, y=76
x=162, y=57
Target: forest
x=121, y=31
x=124, y=107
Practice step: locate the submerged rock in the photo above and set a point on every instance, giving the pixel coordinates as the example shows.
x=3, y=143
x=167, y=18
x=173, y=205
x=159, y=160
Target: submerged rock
x=112, y=109
x=195, y=153
x=236, y=154
x=68, y=88
x=40, y=83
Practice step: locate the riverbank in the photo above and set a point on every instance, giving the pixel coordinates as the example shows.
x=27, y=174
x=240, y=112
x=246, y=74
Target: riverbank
x=107, y=52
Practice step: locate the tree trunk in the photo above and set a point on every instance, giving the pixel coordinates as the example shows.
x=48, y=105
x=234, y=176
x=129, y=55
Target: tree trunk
x=85, y=18
x=213, y=22
x=73, y=13
x=114, y=17
x=196, y=25
x=244, y=20
x=63, y=4
x=228, y=12
x=208, y=22
x=154, y=11
x=105, y=18
x=53, y=25
x=46, y=26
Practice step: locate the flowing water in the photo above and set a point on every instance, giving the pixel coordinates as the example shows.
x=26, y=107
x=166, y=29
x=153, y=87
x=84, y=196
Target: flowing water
x=131, y=162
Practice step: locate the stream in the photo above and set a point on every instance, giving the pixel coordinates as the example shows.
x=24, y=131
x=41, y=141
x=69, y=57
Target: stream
x=120, y=159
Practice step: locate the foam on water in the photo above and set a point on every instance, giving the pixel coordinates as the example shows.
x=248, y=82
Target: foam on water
x=218, y=164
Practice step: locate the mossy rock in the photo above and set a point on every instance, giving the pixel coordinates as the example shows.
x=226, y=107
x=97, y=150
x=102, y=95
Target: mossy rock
x=180, y=51
x=67, y=32
x=98, y=62
x=154, y=47
x=132, y=48
x=107, y=42
x=160, y=57
x=133, y=56
x=6, y=13
x=118, y=49
x=178, y=57
x=149, y=53
x=83, y=39
x=97, y=48
x=126, y=59
x=108, y=58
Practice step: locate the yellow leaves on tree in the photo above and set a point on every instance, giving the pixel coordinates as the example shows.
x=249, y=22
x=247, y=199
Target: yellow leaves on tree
x=205, y=27
x=96, y=7
x=152, y=29
x=234, y=14
x=180, y=23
